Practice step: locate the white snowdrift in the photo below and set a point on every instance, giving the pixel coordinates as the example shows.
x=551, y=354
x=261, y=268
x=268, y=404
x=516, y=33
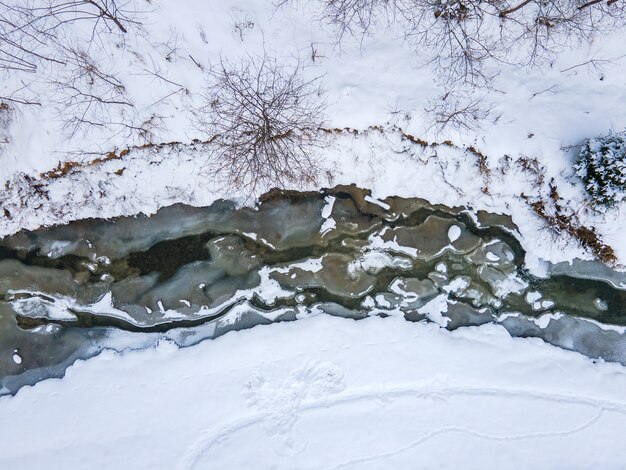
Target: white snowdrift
x=325, y=393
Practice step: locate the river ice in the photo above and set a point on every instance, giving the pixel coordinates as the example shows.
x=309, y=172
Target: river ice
x=282, y=261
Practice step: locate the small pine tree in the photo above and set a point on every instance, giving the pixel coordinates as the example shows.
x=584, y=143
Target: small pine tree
x=601, y=165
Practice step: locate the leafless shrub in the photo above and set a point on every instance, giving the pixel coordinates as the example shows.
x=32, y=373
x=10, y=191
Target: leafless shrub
x=457, y=111
x=355, y=16
x=315, y=53
x=397, y=116
x=242, y=23
x=86, y=94
x=264, y=119
x=535, y=169
x=561, y=220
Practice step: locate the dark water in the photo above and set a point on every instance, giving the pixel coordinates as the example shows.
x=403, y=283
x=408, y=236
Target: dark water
x=188, y=274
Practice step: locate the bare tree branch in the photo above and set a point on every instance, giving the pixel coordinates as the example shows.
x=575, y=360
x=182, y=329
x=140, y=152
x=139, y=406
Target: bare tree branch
x=54, y=65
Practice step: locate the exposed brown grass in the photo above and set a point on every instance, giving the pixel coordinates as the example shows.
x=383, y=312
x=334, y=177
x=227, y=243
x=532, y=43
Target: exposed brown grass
x=552, y=212
x=534, y=168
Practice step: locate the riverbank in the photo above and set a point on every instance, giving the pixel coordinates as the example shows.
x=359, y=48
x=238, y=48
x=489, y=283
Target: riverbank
x=516, y=161
x=325, y=393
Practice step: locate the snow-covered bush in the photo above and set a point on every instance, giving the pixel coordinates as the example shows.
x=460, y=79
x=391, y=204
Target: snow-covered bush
x=451, y=10
x=264, y=118
x=601, y=165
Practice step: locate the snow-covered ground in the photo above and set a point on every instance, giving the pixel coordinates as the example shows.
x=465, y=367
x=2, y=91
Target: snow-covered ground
x=326, y=393
x=371, y=81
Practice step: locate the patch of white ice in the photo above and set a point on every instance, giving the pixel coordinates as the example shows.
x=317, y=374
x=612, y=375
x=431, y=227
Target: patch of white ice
x=17, y=358
x=377, y=202
x=454, y=232
x=435, y=309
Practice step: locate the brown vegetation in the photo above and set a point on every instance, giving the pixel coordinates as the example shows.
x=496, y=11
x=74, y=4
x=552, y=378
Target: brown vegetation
x=553, y=212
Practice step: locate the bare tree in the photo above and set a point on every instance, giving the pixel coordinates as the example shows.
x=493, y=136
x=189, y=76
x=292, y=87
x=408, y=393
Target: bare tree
x=32, y=30
x=264, y=118
x=53, y=51
x=458, y=111
x=462, y=35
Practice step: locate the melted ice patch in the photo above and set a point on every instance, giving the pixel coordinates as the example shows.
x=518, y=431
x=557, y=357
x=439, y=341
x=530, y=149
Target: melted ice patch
x=59, y=248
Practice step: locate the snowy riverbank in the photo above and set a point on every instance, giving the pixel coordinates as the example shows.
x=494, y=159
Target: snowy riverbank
x=325, y=393
x=370, y=81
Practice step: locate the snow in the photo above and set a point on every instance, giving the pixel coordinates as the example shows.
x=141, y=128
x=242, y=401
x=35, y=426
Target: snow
x=325, y=393
x=370, y=82
x=376, y=241
x=372, y=262
x=382, y=302
x=532, y=296
x=312, y=265
x=544, y=320
x=601, y=304
x=434, y=309
x=17, y=358
x=457, y=285
x=329, y=223
x=454, y=232
x=328, y=208
x=377, y=202
x=36, y=306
